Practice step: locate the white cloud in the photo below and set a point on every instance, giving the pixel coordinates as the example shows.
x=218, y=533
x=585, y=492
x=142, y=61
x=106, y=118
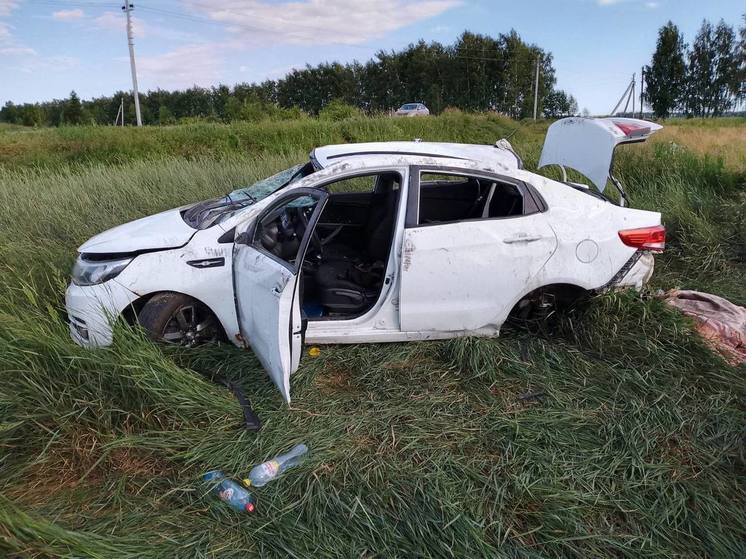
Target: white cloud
x=652, y=5
x=198, y=64
x=17, y=51
x=5, y=35
x=7, y=6
x=116, y=21
x=112, y=21
x=37, y=63
x=314, y=22
x=67, y=15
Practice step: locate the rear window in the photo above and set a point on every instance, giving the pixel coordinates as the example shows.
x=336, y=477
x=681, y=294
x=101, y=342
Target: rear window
x=408, y=107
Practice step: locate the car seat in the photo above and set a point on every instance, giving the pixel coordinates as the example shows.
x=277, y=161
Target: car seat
x=350, y=280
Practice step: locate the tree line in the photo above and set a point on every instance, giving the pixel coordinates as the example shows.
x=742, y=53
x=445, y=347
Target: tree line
x=475, y=73
x=705, y=79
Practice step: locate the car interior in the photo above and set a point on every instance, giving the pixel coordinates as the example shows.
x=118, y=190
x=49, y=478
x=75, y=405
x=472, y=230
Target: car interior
x=345, y=264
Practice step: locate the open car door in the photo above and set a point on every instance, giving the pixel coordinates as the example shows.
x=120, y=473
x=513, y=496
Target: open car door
x=267, y=262
x=587, y=144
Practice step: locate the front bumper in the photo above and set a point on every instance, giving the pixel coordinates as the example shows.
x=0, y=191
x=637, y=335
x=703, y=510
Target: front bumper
x=92, y=311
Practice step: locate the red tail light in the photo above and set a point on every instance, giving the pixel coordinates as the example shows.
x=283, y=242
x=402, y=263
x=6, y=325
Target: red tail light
x=630, y=129
x=645, y=238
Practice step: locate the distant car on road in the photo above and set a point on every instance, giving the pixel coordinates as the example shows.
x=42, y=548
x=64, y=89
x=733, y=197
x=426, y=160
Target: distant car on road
x=412, y=109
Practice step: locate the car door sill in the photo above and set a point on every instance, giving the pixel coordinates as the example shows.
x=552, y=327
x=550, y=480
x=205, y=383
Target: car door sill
x=386, y=336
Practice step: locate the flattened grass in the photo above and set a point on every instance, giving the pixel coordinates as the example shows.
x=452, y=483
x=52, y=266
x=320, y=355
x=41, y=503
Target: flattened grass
x=611, y=432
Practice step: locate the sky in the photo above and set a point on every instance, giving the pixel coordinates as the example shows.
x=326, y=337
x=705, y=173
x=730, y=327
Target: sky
x=50, y=47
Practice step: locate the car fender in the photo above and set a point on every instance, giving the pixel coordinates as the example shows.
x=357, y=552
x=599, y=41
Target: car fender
x=202, y=270
x=589, y=251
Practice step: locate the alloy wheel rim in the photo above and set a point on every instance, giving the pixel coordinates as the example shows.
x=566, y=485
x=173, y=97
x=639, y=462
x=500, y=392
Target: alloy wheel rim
x=190, y=326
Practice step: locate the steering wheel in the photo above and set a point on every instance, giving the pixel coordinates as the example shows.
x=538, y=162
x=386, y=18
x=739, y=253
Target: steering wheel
x=315, y=239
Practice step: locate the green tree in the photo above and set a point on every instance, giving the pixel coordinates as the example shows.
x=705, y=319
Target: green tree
x=665, y=76
x=10, y=113
x=165, y=116
x=477, y=72
x=233, y=109
x=713, y=74
x=73, y=109
x=559, y=104
x=741, y=62
x=337, y=109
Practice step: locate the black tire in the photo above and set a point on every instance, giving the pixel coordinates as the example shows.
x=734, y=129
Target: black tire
x=178, y=319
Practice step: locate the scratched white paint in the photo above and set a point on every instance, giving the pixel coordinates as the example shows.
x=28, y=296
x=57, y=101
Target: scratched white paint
x=265, y=298
x=464, y=276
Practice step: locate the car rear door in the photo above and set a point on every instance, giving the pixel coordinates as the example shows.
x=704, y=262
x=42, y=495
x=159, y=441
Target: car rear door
x=266, y=283
x=465, y=274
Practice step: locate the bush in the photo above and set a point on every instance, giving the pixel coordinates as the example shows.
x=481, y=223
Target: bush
x=339, y=110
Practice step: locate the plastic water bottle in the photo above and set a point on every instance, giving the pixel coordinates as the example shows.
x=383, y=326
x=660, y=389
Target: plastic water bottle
x=269, y=470
x=231, y=492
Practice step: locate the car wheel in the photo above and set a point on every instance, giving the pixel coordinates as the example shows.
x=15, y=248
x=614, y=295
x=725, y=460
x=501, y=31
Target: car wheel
x=178, y=319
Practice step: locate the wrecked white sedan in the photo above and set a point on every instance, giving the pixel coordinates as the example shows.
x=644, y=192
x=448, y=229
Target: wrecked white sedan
x=375, y=242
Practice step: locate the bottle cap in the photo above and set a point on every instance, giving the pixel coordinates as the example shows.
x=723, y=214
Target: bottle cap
x=246, y=482
x=249, y=507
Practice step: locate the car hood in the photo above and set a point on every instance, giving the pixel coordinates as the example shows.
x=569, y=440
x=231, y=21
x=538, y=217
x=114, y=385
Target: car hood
x=160, y=231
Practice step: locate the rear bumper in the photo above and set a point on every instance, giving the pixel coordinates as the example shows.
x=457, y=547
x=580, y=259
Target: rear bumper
x=636, y=272
x=92, y=311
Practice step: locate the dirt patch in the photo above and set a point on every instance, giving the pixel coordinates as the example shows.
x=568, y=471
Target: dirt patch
x=678, y=452
x=81, y=461
x=334, y=380
x=135, y=463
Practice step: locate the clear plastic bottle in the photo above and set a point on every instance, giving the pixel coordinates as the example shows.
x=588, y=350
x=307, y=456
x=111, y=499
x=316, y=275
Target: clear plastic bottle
x=231, y=492
x=269, y=470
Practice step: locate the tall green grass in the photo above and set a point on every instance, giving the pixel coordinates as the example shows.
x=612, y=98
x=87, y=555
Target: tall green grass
x=614, y=431
x=50, y=147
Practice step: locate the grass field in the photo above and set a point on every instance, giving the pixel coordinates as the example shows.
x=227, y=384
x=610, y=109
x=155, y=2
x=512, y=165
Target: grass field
x=635, y=448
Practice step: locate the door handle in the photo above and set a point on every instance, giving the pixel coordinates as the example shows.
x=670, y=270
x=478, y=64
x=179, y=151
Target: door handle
x=522, y=239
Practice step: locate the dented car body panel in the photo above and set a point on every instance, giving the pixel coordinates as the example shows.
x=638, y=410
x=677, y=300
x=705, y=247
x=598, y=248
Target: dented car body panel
x=443, y=242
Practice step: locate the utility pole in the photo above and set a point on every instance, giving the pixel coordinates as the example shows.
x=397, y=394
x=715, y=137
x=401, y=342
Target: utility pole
x=642, y=88
x=127, y=9
x=120, y=112
x=627, y=93
x=536, y=87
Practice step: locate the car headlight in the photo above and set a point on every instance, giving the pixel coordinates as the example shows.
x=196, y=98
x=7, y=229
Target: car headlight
x=87, y=271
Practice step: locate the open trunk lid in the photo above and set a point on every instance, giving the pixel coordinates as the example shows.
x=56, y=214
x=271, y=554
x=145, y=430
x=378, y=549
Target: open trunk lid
x=587, y=144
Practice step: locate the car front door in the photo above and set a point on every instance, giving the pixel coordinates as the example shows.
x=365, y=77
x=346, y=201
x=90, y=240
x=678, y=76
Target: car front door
x=267, y=261
x=472, y=244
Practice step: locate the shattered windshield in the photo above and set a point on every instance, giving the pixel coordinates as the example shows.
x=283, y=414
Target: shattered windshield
x=210, y=212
